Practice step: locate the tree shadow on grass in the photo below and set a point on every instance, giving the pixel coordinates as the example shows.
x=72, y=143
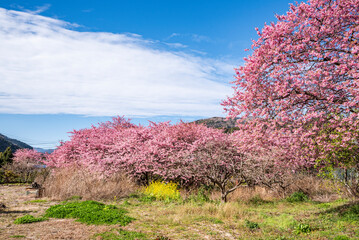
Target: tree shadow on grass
x=13, y=212
x=346, y=212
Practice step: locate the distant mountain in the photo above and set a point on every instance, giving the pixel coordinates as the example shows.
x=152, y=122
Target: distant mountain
x=12, y=143
x=44, y=150
x=218, y=122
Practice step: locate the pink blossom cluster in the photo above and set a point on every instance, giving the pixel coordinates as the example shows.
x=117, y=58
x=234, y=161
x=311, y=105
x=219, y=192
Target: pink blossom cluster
x=160, y=149
x=28, y=156
x=187, y=153
x=299, y=89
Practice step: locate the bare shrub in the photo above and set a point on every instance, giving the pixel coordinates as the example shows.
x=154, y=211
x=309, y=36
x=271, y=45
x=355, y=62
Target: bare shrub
x=64, y=183
x=348, y=178
x=315, y=187
x=246, y=193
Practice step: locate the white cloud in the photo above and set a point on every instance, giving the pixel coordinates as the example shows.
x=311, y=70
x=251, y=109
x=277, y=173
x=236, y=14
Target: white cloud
x=48, y=67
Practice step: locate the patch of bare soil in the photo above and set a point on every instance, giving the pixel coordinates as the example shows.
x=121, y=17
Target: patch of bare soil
x=18, y=202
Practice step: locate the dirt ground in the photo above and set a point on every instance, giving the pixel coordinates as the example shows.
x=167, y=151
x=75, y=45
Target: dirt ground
x=18, y=202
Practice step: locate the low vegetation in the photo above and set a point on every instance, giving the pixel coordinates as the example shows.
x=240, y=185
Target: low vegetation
x=254, y=219
x=90, y=212
x=297, y=197
x=29, y=219
x=121, y=234
x=200, y=214
x=162, y=191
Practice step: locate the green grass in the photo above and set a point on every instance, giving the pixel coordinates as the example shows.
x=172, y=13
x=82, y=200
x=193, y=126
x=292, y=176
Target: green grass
x=282, y=222
x=29, y=219
x=341, y=237
x=121, y=235
x=17, y=236
x=253, y=219
x=209, y=219
x=36, y=201
x=198, y=217
x=90, y=212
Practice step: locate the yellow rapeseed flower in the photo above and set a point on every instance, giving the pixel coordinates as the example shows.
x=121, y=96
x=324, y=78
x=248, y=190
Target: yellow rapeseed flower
x=163, y=191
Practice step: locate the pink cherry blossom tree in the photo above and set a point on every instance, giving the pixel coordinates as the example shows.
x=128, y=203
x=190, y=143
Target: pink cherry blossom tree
x=27, y=163
x=299, y=89
x=28, y=156
x=185, y=152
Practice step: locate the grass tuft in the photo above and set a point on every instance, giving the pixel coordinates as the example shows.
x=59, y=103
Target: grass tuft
x=257, y=200
x=121, y=235
x=36, y=201
x=74, y=198
x=90, y=212
x=29, y=219
x=341, y=237
x=302, y=228
x=297, y=197
x=251, y=225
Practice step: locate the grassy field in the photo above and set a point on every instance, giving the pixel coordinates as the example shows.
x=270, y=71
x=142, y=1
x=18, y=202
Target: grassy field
x=194, y=218
x=254, y=219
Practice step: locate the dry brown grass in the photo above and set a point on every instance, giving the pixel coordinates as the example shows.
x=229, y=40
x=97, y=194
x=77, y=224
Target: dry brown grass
x=68, y=182
x=246, y=193
x=317, y=189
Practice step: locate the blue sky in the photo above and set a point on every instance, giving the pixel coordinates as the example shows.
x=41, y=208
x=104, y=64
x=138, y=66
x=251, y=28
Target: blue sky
x=68, y=64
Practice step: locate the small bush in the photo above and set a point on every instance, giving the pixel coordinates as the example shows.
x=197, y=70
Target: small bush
x=303, y=228
x=9, y=176
x=297, y=197
x=199, y=198
x=90, y=212
x=29, y=219
x=162, y=191
x=257, y=200
x=251, y=225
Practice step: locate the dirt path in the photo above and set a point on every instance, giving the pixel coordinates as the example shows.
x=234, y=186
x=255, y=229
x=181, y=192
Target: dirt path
x=19, y=202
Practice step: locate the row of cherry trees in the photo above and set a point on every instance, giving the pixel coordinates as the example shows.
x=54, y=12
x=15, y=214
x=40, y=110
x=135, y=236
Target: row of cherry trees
x=187, y=153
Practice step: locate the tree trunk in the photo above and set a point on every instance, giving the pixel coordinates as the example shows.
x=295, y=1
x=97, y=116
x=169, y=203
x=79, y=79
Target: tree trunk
x=224, y=195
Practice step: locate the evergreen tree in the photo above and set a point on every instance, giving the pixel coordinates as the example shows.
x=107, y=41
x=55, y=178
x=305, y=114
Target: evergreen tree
x=6, y=157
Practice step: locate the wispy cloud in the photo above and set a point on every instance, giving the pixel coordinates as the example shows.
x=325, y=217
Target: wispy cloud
x=48, y=67
x=38, y=9
x=87, y=10
x=194, y=37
